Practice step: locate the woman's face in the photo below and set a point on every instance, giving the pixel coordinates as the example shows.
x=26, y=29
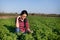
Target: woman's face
x=23, y=16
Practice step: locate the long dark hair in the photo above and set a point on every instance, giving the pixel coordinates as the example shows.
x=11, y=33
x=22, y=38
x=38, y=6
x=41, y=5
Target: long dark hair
x=24, y=12
x=25, y=20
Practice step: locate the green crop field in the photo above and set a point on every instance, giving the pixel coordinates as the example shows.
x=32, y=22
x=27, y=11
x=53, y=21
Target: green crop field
x=45, y=28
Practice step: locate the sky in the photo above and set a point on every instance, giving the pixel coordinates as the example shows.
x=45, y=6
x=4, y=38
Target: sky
x=32, y=6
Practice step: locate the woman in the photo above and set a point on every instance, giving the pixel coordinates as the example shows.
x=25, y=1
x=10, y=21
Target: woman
x=22, y=23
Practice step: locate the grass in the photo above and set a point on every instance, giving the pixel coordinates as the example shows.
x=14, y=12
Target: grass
x=45, y=28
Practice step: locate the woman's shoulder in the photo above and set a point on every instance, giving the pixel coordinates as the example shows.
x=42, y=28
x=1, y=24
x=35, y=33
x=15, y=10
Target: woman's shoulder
x=26, y=19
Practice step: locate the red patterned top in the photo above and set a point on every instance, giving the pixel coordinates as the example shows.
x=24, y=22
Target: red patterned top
x=21, y=24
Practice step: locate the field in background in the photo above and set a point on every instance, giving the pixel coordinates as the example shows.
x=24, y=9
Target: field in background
x=45, y=28
x=7, y=15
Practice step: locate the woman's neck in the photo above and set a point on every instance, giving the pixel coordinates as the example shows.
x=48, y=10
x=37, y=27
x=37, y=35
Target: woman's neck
x=22, y=19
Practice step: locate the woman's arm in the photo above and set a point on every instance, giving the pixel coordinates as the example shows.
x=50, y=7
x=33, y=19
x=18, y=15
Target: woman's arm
x=28, y=27
x=17, y=23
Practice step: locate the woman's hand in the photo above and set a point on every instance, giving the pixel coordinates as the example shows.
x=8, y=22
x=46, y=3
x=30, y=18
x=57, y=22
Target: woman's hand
x=30, y=31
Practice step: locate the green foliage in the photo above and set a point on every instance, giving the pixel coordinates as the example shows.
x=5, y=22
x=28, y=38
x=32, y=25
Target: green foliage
x=44, y=28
